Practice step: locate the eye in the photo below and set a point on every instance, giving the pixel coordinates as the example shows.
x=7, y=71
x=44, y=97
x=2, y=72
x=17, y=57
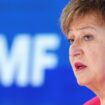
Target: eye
x=88, y=37
x=70, y=41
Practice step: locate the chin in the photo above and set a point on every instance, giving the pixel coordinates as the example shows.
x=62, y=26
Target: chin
x=84, y=82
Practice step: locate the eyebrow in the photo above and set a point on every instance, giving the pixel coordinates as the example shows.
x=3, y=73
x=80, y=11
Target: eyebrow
x=82, y=28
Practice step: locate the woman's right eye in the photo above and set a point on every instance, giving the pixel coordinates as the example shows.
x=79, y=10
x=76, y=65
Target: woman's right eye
x=70, y=41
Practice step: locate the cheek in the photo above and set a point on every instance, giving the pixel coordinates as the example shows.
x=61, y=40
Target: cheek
x=70, y=58
x=98, y=54
x=95, y=52
x=96, y=59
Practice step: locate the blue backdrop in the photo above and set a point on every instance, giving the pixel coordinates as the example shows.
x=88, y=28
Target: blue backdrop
x=34, y=64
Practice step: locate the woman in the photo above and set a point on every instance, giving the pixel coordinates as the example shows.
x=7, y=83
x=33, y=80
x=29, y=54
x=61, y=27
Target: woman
x=83, y=23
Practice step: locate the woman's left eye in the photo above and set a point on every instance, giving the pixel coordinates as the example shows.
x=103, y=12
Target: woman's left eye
x=70, y=41
x=87, y=37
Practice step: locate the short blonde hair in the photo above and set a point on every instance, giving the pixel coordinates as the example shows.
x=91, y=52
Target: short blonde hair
x=77, y=8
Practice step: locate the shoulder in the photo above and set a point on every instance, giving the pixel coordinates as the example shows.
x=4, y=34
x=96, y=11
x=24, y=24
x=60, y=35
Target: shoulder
x=93, y=101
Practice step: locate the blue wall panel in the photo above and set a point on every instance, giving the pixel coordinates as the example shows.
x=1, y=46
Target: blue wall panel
x=35, y=18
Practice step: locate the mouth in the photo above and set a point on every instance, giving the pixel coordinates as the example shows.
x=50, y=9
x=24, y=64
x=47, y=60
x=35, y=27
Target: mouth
x=79, y=66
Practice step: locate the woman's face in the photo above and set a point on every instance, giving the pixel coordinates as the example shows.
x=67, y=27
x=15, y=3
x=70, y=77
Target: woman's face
x=87, y=50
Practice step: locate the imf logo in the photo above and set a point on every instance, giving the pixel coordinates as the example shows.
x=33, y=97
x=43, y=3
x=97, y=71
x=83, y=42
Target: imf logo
x=28, y=59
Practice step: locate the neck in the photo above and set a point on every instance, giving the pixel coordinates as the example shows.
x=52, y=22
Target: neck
x=102, y=102
x=99, y=90
x=102, y=97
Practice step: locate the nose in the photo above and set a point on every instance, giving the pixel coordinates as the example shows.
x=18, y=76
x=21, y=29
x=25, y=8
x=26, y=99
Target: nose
x=75, y=49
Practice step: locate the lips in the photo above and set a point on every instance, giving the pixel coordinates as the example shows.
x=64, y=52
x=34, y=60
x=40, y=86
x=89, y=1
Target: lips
x=79, y=66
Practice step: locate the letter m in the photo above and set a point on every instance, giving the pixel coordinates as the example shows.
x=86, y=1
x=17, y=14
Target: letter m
x=14, y=62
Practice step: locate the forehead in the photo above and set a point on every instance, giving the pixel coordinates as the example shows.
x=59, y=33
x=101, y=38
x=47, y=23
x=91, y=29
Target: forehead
x=83, y=21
